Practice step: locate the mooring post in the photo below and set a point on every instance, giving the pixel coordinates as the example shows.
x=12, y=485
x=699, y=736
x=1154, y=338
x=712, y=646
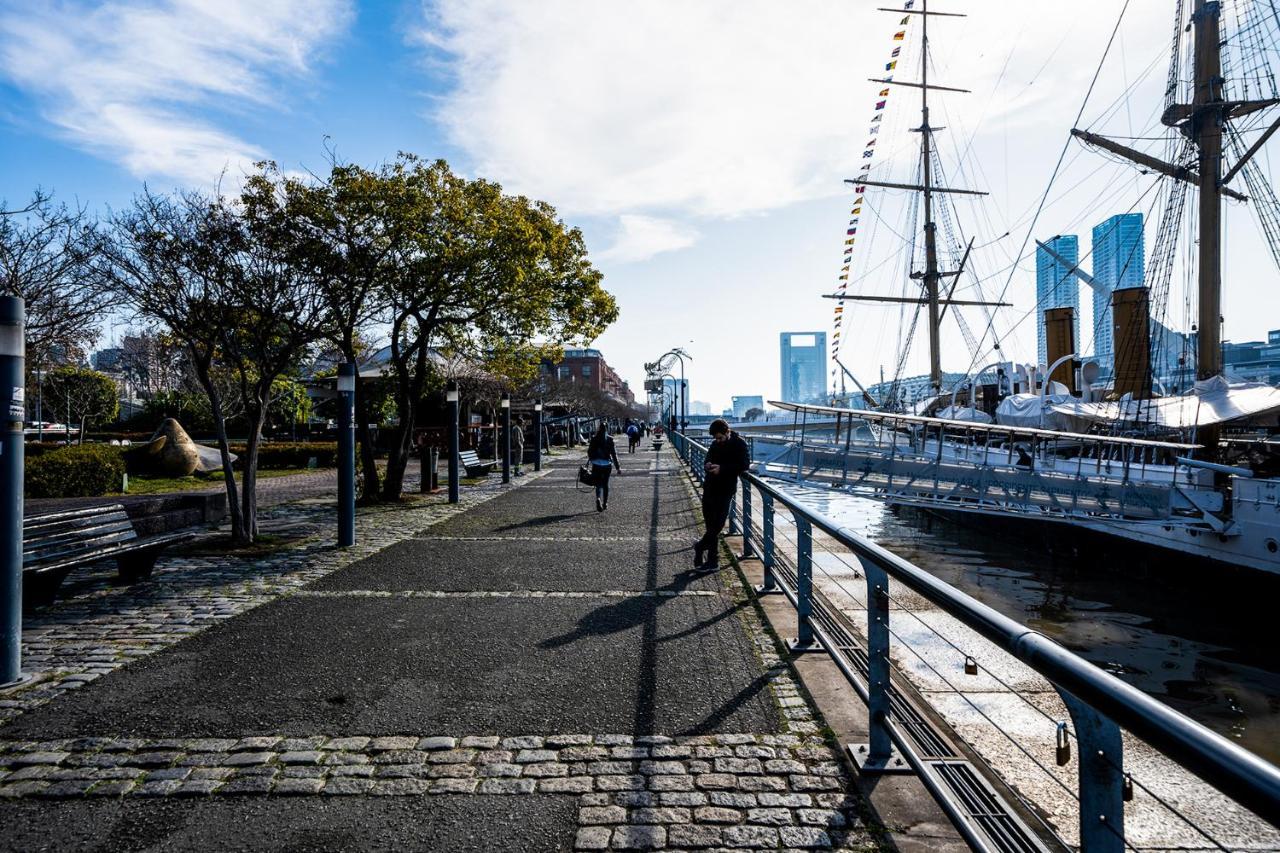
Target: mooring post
x=804, y=641
x=506, y=437
x=13, y=396
x=451, y=397
x=346, y=454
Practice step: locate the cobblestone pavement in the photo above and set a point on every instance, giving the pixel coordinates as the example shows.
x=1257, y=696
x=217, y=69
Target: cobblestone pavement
x=667, y=725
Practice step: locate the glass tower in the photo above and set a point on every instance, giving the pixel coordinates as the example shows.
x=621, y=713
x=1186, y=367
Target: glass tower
x=1057, y=287
x=1118, y=262
x=804, y=367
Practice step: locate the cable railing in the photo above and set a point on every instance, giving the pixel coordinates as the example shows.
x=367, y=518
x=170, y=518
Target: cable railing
x=1100, y=705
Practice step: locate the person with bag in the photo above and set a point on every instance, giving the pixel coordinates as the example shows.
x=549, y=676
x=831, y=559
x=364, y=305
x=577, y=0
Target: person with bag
x=602, y=456
x=727, y=459
x=633, y=437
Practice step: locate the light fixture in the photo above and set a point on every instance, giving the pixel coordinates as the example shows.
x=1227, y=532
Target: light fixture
x=506, y=401
x=537, y=407
x=451, y=393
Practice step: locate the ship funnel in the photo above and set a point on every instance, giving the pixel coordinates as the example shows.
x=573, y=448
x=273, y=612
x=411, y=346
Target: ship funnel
x=1131, y=334
x=1060, y=341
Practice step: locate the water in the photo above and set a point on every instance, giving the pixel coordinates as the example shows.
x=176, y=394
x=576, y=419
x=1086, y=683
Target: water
x=1203, y=642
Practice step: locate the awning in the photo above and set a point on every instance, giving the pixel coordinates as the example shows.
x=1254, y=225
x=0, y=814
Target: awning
x=1213, y=401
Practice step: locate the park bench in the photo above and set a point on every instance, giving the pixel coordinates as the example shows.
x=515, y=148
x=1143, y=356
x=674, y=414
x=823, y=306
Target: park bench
x=55, y=543
x=471, y=462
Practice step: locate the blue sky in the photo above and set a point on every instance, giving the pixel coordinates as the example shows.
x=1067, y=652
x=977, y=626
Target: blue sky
x=700, y=146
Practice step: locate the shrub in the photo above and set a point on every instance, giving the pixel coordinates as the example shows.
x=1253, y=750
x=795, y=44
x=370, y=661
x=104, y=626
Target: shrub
x=281, y=455
x=78, y=471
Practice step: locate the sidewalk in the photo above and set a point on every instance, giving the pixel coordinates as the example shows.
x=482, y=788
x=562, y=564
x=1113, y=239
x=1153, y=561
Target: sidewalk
x=527, y=674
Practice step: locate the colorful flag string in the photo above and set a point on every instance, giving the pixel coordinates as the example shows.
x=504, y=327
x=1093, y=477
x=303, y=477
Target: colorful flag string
x=868, y=154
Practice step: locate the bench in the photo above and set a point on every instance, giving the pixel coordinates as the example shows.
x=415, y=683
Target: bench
x=55, y=543
x=470, y=460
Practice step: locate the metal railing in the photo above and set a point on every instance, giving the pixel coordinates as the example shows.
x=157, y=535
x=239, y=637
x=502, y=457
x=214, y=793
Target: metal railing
x=1099, y=703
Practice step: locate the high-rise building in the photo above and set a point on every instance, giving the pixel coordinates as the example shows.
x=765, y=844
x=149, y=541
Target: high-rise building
x=1118, y=262
x=1057, y=287
x=804, y=367
x=742, y=405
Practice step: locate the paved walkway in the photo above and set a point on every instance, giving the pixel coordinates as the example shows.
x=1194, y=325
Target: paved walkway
x=527, y=674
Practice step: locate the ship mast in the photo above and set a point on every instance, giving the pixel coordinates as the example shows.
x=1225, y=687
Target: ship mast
x=932, y=276
x=1205, y=126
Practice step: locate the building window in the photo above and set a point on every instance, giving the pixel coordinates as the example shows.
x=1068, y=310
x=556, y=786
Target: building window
x=564, y=372
x=586, y=371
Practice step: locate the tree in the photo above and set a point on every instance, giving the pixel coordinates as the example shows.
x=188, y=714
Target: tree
x=753, y=414
x=85, y=395
x=475, y=272
x=45, y=258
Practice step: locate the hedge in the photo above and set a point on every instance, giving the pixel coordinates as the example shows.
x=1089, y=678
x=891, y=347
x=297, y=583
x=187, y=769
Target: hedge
x=277, y=455
x=86, y=470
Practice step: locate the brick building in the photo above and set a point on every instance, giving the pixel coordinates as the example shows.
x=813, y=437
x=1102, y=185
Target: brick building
x=589, y=366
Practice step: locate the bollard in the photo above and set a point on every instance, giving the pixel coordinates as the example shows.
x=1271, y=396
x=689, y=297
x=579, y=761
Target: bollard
x=537, y=435
x=451, y=396
x=346, y=454
x=804, y=641
x=506, y=437
x=746, y=518
x=12, y=396
x=1101, y=781
x=430, y=460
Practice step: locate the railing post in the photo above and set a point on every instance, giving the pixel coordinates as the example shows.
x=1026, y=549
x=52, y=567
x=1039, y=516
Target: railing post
x=877, y=755
x=804, y=641
x=746, y=518
x=733, y=518
x=1101, y=781
x=766, y=510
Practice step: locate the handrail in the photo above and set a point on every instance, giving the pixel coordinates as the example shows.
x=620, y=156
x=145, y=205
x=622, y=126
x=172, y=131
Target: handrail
x=1245, y=777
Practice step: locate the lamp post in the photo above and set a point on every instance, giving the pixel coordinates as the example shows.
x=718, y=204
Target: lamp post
x=451, y=395
x=346, y=454
x=537, y=435
x=12, y=397
x=506, y=437
x=683, y=408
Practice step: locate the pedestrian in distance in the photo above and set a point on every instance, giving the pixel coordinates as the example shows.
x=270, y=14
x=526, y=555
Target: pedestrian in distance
x=727, y=459
x=517, y=445
x=633, y=437
x=602, y=455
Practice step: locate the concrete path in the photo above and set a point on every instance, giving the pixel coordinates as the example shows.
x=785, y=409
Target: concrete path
x=526, y=675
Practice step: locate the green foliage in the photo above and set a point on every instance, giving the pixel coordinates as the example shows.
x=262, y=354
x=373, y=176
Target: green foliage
x=189, y=408
x=290, y=404
x=280, y=455
x=90, y=396
x=85, y=470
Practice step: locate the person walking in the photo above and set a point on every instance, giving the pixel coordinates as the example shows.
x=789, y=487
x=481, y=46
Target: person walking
x=633, y=437
x=603, y=458
x=727, y=459
x=517, y=445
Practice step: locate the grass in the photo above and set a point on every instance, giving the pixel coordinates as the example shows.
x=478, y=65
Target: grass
x=167, y=485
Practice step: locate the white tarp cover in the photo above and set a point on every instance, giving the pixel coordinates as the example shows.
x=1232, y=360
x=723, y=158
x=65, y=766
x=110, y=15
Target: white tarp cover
x=964, y=413
x=1212, y=401
x=1031, y=410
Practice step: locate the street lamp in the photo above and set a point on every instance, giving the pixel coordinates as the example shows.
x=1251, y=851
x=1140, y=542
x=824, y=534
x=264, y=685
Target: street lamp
x=679, y=353
x=537, y=435
x=506, y=437
x=451, y=397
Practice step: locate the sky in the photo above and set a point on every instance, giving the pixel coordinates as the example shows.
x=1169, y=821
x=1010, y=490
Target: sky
x=702, y=147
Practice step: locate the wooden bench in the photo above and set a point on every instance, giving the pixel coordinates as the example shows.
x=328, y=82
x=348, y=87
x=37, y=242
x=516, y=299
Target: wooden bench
x=55, y=543
x=470, y=460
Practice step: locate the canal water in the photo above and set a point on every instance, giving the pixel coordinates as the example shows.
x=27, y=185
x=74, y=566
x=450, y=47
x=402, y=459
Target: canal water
x=1203, y=641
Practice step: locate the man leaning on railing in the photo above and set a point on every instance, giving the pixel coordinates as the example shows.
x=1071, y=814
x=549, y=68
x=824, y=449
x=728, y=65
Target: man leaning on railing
x=727, y=459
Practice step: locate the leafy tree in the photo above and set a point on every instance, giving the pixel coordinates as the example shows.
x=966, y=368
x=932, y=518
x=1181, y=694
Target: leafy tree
x=754, y=413
x=85, y=395
x=290, y=404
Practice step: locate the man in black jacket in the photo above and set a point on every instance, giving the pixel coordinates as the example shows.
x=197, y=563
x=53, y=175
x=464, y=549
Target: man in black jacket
x=727, y=459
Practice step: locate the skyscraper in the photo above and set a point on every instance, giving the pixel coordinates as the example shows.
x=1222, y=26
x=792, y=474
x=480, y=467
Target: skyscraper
x=1118, y=262
x=804, y=367
x=1057, y=287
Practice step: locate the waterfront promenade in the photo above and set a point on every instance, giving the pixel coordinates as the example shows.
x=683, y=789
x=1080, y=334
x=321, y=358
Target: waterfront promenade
x=518, y=673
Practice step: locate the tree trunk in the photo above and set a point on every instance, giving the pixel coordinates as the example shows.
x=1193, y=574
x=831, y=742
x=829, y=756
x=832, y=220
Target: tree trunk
x=224, y=449
x=249, y=478
x=398, y=458
x=370, y=489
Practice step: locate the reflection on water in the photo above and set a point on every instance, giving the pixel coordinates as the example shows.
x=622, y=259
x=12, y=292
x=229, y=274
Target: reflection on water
x=1204, y=642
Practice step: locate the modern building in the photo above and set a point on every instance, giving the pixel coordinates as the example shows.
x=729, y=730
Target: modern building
x=909, y=390
x=699, y=407
x=742, y=405
x=1255, y=361
x=1057, y=287
x=1118, y=263
x=589, y=366
x=804, y=367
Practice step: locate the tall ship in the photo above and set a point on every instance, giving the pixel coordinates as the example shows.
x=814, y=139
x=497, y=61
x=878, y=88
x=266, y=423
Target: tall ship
x=1155, y=443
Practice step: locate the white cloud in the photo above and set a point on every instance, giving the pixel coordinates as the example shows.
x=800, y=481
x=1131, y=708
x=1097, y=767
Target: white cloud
x=129, y=80
x=641, y=237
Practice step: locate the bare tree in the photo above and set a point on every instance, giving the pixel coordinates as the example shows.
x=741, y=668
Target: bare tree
x=45, y=258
